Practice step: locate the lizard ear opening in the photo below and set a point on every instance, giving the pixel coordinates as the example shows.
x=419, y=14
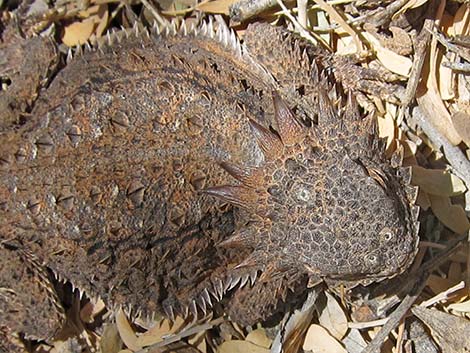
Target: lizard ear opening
x=290, y=130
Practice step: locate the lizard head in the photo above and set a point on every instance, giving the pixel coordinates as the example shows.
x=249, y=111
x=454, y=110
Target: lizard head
x=326, y=202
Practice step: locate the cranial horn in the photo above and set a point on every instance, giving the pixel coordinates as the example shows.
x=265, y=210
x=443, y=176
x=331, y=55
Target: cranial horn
x=236, y=195
x=248, y=176
x=290, y=130
x=270, y=144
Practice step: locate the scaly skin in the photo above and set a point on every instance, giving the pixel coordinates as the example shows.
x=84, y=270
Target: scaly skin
x=27, y=73
x=110, y=184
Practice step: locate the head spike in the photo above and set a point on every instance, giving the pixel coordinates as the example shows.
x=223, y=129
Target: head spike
x=193, y=29
x=251, y=261
x=109, y=38
x=236, y=195
x=314, y=72
x=207, y=297
x=267, y=141
x=411, y=193
x=352, y=109
x=416, y=228
x=415, y=212
x=210, y=28
x=202, y=304
x=290, y=130
x=69, y=56
x=405, y=174
x=155, y=28
x=136, y=29
x=248, y=176
x=204, y=28
x=173, y=27
x=183, y=28
x=239, y=238
x=325, y=107
x=193, y=309
x=169, y=312
x=397, y=157
x=371, y=124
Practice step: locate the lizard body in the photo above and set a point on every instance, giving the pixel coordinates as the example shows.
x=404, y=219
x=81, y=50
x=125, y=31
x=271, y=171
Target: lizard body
x=110, y=183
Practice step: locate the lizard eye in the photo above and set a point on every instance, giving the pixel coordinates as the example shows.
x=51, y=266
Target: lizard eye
x=371, y=258
x=386, y=234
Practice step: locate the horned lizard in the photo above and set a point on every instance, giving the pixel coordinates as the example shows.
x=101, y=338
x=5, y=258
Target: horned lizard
x=164, y=171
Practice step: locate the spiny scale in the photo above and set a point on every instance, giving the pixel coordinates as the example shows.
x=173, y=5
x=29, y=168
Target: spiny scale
x=290, y=130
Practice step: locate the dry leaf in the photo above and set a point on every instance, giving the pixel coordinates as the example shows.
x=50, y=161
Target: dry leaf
x=319, y=340
x=156, y=333
x=94, y=23
x=321, y=18
x=241, y=347
x=445, y=76
x=110, y=342
x=460, y=25
x=439, y=284
x=345, y=44
x=410, y=148
x=412, y=4
x=199, y=341
x=461, y=121
x=437, y=181
x=90, y=310
x=452, y=216
x=463, y=307
x=354, y=342
x=437, y=114
x=451, y=332
x=259, y=338
x=89, y=11
x=387, y=128
x=423, y=200
x=126, y=332
x=394, y=62
x=333, y=318
x=217, y=6
x=290, y=336
x=455, y=271
x=78, y=33
x=102, y=16
x=429, y=99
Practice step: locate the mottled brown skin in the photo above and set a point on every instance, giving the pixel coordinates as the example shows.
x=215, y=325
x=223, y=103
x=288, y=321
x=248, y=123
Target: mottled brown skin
x=26, y=64
x=110, y=184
